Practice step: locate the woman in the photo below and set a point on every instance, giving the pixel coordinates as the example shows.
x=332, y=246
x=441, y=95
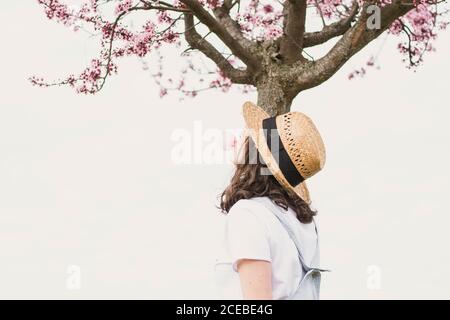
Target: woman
x=270, y=248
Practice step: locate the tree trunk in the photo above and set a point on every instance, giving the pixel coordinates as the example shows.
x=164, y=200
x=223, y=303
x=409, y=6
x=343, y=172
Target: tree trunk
x=272, y=97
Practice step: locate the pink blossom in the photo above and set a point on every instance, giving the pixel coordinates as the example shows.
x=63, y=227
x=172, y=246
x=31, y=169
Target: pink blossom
x=257, y=19
x=123, y=6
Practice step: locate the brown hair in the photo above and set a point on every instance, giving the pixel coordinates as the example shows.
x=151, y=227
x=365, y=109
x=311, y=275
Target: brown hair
x=248, y=182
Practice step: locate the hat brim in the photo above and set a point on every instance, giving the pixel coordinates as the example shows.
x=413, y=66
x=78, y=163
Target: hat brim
x=254, y=116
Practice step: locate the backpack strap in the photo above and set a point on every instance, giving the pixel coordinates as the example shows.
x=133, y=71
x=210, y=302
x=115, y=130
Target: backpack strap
x=291, y=234
x=283, y=220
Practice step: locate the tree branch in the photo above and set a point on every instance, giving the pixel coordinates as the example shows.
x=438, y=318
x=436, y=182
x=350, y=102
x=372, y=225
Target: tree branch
x=163, y=6
x=331, y=31
x=291, y=44
x=232, y=27
x=196, y=41
x=214, y=26
x=352, y=41
x=227, y=5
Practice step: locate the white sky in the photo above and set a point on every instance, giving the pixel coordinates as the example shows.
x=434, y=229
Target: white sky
x=89, y=181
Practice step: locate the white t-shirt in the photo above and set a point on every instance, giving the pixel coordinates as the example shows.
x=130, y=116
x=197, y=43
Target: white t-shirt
x=252, y=231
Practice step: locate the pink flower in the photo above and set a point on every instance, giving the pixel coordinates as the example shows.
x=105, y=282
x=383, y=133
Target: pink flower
x=257, y=19
x=123, y=6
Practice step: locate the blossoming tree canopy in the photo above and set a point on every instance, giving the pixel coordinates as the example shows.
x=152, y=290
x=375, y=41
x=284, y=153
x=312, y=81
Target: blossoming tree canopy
x=260, y=44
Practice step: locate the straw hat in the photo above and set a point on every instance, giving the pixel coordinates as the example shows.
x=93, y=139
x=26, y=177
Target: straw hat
x=289, y=144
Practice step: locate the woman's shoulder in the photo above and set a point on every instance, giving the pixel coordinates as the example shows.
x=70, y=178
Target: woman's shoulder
x=249, y=214
x=258, y=206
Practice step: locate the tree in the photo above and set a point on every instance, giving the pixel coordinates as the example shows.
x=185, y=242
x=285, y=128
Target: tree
x=254, y=43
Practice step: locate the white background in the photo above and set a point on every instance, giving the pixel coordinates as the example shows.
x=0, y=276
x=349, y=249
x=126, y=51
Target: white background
x=89, y=181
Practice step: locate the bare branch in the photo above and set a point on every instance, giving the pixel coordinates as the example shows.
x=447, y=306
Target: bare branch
x=319, y=9
x=214, y=26
x=227, y=5
x=293, y=30
x=163, y=6
x=331, y=31
x=223, y=16
x=352, y=41
x=196, y=41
